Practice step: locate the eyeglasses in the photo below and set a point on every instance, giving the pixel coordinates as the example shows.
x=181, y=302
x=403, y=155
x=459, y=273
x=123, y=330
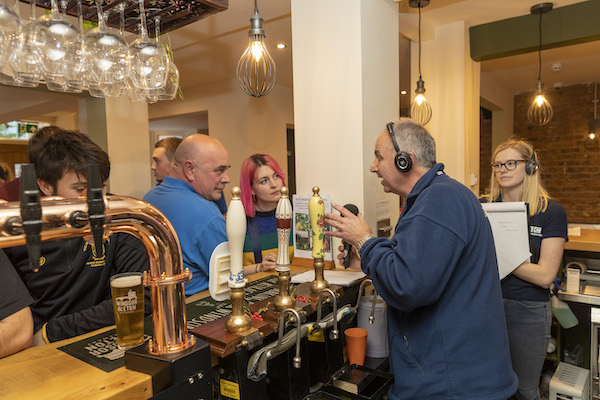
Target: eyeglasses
x=510, y=165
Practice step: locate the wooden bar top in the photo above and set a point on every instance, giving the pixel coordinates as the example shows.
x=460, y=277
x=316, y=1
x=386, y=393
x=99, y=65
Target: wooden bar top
x=45, y=372
x=588, y=241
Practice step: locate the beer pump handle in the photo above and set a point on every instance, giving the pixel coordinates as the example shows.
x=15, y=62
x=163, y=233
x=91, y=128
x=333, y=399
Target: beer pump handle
x=283, y=218
x=96, y=207
x=236, y=233
x=316, y=210
x=31, y=214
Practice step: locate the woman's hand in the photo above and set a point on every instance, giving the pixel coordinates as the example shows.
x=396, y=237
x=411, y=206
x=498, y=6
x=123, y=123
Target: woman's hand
x=268, y=263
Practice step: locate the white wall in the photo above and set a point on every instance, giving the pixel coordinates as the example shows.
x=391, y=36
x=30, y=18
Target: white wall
x=121, y=129
x=346, y=88
x=498, y=99
x=451, y=83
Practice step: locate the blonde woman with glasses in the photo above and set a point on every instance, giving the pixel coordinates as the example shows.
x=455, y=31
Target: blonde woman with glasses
x=516, y=177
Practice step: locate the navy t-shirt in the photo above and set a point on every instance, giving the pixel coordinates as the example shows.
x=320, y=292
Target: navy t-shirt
x=548, y=224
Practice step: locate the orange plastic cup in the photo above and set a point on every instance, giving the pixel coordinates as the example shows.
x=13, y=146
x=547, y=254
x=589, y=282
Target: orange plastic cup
x=356, y=343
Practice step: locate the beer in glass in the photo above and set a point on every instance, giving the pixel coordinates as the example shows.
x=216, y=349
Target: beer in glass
x=128, y=304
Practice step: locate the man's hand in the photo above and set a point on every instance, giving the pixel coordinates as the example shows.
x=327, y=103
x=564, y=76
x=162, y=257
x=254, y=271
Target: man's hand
x=350, y=228
x=354, y=258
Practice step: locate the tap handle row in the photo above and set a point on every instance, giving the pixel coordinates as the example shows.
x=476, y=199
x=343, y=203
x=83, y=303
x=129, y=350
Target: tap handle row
x=96, y=207
x=31, y=214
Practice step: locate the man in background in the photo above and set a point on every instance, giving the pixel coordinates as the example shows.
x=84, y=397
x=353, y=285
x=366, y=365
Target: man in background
x=162, y=157
x=6, y=174
x=164, y=151
x=187, y=198
x=72, y=287
x=11, y=190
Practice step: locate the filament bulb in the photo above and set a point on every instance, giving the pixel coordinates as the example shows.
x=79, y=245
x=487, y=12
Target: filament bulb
x=257, y=50
x=419, y=99
x=540, y=100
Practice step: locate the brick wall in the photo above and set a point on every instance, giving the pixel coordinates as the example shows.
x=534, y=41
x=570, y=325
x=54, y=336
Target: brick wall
x=485, y=150
x=569, y=169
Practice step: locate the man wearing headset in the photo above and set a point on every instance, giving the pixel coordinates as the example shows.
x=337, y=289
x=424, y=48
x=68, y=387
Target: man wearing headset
x=438, y=275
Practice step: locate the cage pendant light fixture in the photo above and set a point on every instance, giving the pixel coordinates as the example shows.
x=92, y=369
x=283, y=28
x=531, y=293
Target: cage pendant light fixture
x=420, y=109
x=594, y=123
x=540, y=112
x=256, y=72
x=591, y=140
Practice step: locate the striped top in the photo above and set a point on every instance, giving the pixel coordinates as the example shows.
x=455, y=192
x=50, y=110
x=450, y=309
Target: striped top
x=266, y=225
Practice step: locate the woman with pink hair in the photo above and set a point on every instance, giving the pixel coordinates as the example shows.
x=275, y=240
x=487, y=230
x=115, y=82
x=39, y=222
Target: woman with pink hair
x=261, y=180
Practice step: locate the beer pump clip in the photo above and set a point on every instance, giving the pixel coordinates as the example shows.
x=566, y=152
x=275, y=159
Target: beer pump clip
x=219, y=269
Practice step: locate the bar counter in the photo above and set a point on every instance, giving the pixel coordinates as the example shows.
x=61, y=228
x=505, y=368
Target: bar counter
x=588, y=241
x=45, y=372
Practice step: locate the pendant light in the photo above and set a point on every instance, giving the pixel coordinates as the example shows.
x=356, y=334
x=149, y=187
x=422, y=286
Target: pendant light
x=420, y=110
x=256, y=72
x=591, y=140
x=540, y=112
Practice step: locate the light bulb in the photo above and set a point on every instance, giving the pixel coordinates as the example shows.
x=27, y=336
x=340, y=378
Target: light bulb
x=420, y=110
x=540, y=112
x=420, y=99
x=257, y=49
x=256, y=72
x=539, y=99
x=592, y=136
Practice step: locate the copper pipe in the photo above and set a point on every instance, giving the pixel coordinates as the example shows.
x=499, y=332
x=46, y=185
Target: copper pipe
x=151, y=227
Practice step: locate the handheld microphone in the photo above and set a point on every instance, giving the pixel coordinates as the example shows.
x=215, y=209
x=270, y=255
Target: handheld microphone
x=347, y=246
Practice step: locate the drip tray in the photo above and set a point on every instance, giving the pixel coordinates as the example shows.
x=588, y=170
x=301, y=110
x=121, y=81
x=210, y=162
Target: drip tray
x=355, y=382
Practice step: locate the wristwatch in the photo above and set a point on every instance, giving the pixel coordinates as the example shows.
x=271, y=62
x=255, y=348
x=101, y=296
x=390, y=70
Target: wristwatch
x=362, y=241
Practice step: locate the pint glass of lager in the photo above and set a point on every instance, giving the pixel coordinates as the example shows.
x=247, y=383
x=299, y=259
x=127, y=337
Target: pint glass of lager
x=128, y=303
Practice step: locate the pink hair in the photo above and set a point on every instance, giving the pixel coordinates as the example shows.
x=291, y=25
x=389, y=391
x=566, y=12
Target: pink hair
x=249, y=167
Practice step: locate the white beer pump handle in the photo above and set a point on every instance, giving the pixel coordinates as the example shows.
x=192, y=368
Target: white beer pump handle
x=236, y=234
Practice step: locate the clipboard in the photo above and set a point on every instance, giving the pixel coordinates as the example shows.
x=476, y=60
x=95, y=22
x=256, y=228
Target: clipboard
x=510, y=226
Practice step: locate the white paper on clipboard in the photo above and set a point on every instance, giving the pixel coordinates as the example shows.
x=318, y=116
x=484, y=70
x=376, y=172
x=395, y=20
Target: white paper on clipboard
x=510, y=227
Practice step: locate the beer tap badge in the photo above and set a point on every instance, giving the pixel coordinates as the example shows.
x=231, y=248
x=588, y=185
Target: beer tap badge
x=127, y=304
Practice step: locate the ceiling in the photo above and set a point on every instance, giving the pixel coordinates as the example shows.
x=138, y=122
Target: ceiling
x=207, y=51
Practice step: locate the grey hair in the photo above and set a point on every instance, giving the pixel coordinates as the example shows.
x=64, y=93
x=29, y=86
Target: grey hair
x=413, y=137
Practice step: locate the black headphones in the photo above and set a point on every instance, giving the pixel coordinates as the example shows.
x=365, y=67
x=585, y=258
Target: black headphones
x=402, y=159
x=531, y=165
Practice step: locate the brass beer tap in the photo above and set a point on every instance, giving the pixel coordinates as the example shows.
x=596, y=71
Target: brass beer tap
x=238, y=321
x=316, y=209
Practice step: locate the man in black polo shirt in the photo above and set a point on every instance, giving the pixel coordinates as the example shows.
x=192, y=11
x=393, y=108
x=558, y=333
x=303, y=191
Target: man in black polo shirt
x=72, y=288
